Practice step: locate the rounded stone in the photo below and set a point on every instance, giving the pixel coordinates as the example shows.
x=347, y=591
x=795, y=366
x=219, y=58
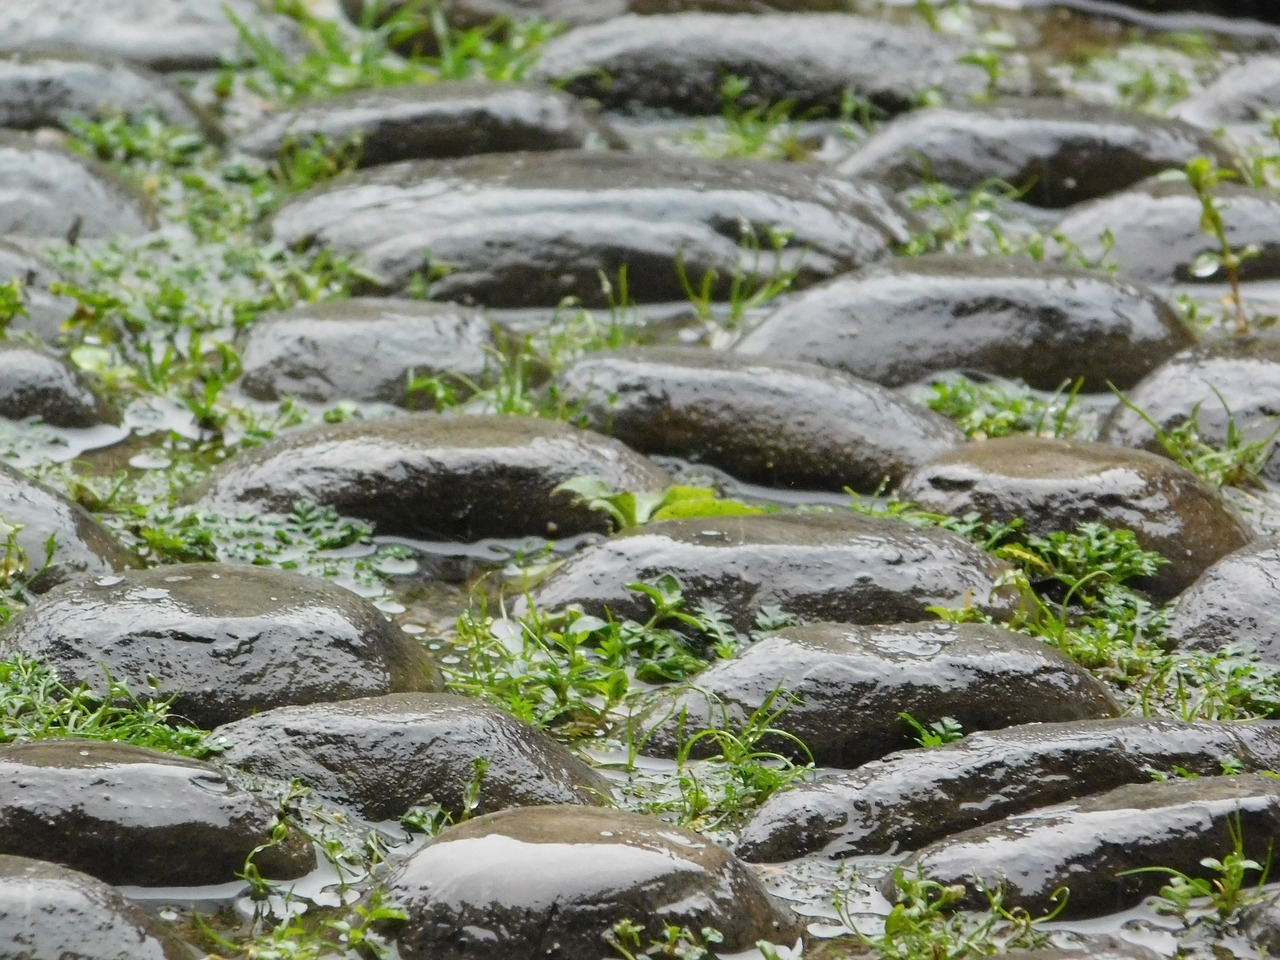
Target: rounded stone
x=450, y=119
x=363, y=349
x=914, y=797
x=132, y=816
x=1225, y=386
x=771, y=422
x=160, y=34
x=819, y=566
x=41, y=516
x=47, y=192
x=1118, y=230
x=48, y=912
x=525, y=882
x=1246, y=93
x=46, y=311
x=1232, y=605
x=815, y=60
x=1056, y=485
x=529, y=230
x=34, y=383
x=46, y=89
x=460, y=478
x=911, y=318
x=1058, y=151
x=223, y=640
x=1091, y=846
x=851, y=683
x=383, y=755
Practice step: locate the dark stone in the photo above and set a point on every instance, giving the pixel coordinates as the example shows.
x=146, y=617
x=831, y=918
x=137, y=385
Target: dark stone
x=160, y=34
x=82, y=546
x=1261, y=924
x=901, y=321
x=50, y=193
x=1227, y=385
x=225, y=640
x=538, y=881
x=777, y=423
x=46, y=311
x=132, y=816
x=1247, y=93
x=460, y=478
x=1057, y=485
x=34, y=383
x=383, y=755
x=48, y=912
x=851, y=683
x=1086, y=845
x=1170, y=210
x=420, y=121
x=362, y=349
x=46, y=89
x=1059, y=151
x=819, y=566
x=915, y=797
x=1263, y=10
x=1232, y=604
x=679, y=62
x=528, y=230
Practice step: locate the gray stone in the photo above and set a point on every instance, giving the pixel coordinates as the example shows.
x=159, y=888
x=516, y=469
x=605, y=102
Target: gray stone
x=50, y=193
x=1059, y=151
x=46, y=89
x=679, y=62
x=1170, y=210
x=540, y=880
x=772, y=422
x=48, y=912
x=914, y=797
x=383, y=755
x=906, y=319
x=1087, y=845
x=34, y=383
x=1224, y=386
x=46, y=311
x=852, y=682
x=224, y=640
x=529, y=230
x=363, y=349
x=460, y=478
x=81, y=544
x=1232, y=604
x=421, y=121
x=1247, y=93
x=160, y=34
x=818, y=566
x=1057, y=485
x=132, y=816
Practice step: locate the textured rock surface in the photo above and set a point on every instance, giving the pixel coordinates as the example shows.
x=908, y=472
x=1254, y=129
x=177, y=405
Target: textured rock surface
x=383, y=755
x=524, y=880
x=777, y=423
x=363, y=349
x=679, y=62
x=48, y=912
x=906, y=319
x=1058, y=484
x=34, y=383
x=82, y=546
x=1059, y=151
x=436, y=478
x=839, y=567
x=132, y=816
x=852, y=682
x=421, y=121
x=914, y=797
x=46, y=311
x=1233, y=604
x=1246, y=93
x=1087, y=845
x=225, y=640
x=527, y=230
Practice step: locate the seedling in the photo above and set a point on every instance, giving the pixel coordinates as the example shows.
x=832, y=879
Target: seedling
x=1205, y=176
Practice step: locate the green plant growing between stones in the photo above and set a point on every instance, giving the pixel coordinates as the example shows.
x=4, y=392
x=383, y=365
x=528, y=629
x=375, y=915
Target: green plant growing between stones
x=763, y=131
x=985, y=410
x=627, y=509
x=941, y=731
x=1205, y=176
x=750, y=288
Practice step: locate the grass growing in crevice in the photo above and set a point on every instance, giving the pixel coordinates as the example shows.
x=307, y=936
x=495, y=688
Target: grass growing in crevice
x=984, y=411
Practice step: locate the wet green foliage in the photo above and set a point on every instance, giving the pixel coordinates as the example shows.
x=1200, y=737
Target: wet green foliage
x=984, y=410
